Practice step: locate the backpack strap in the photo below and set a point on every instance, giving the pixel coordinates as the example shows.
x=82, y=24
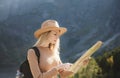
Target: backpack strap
x=36, y=52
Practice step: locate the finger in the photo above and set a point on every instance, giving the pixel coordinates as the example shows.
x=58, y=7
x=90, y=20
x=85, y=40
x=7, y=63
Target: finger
x=60, y=71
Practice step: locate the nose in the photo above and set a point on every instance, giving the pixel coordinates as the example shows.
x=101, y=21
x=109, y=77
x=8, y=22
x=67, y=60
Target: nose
x=57, y=36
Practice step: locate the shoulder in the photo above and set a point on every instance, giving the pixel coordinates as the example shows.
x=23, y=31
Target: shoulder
x=31, y=56
x=30, y=52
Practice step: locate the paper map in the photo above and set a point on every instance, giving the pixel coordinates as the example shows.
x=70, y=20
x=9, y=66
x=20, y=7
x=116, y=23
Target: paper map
x=76, y=66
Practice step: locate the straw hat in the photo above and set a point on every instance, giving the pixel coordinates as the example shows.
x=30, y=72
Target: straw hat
x=49, y=25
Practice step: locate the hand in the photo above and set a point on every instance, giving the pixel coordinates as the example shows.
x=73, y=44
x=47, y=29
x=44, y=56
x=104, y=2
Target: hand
x=63, y=67
x=86, y=61
x=65, y=73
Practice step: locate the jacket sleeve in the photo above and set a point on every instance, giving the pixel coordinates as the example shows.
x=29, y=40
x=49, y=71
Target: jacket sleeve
x=36, y=72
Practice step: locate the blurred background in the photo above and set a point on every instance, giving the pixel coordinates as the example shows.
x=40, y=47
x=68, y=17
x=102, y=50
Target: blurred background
x=87, y=21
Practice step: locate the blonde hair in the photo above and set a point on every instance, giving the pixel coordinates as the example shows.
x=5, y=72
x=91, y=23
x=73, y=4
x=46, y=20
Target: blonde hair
x=43, y=39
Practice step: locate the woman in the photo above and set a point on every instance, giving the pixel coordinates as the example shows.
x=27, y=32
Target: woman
x=48, y=44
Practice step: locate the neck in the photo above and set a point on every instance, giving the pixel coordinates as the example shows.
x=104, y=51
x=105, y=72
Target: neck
x=44, y=45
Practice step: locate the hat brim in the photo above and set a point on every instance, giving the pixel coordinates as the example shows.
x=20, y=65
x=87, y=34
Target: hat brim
x=38, y=32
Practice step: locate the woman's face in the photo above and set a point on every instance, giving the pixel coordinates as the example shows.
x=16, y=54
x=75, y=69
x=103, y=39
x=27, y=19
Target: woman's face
x=53, y=36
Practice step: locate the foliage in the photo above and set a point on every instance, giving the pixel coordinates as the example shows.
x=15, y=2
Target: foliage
x=92, y=70
x=103, y=66
x=110, y=63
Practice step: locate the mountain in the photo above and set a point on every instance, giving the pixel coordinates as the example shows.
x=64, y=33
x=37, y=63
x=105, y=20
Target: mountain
x=87, y=22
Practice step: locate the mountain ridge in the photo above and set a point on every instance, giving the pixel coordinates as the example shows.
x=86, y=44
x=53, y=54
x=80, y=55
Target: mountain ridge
x=87, y=22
